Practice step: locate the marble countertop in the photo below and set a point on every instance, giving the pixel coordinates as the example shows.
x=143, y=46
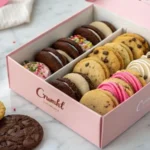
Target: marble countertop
x=46, y=14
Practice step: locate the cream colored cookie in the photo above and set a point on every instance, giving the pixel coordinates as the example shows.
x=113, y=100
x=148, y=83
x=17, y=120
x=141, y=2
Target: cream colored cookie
x=99, y=101
x=2, y=110
x=101, y=26
x=108, y=57
x=93, y=69
x=122, y=51
x=140, y=38
x=106, y=70
x=134, y=44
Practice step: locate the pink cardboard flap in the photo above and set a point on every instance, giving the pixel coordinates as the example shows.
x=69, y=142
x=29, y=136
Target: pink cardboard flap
x=137, y=11
x=3, y=2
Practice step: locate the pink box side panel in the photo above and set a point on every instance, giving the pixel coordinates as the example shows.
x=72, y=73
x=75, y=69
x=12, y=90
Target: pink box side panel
x=71, y=113
x=124, y=8
x=125, y=115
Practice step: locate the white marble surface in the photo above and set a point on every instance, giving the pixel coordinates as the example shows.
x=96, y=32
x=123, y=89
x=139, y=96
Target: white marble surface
x=46, y=14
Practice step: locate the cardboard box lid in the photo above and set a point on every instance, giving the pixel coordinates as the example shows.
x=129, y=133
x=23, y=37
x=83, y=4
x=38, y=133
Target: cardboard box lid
x=137, y=11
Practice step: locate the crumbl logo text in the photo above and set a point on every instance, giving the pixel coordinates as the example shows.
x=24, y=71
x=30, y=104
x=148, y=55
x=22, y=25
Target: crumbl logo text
x=142, y=104
x=51, y=102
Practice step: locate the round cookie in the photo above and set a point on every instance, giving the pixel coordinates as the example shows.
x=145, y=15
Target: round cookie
x=99, y=101
x=19, y=132
x=103, y=27
x=90, y=33
x=104, y=66
x=83, y=42
x=113, y=29
x=72, y=43
x=142, y=66
x=137, y=75
x=140, y=38
x=38, y=69
x=92, y=69
x=81, y=81
x=68, y=48
x=127, y=49
x=108, y=57
x=51, y=58
x=129, y=78
x=125, y=85
x=122, y=51
x=2, y=110
x=69, y=59
x=134, y=44
x=68, y=87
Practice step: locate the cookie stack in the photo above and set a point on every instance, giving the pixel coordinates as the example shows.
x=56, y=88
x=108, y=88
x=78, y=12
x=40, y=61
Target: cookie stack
x=74, y=84
x=65, y=50
x=113, y=91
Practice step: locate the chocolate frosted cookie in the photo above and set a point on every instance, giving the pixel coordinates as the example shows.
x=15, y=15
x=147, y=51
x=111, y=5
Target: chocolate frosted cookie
x=91, y=33
x=51, y=58
x=72, y=43
x=68, y=46
x=68, y=87
x=19, y=132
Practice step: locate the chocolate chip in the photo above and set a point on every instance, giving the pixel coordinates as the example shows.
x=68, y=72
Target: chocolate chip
x=105, y=52
x=134, y=39
x=148, y=56
x=123, y=42
x=145, y=77
x=139, y=46
x=106, y=106
x=95, y=52
x=130, y=40
x=131, y=48
x=144, y=42
x=105, y=60
x=87, y=64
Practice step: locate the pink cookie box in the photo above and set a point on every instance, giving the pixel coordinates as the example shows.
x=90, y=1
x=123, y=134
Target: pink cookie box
x=90, y=125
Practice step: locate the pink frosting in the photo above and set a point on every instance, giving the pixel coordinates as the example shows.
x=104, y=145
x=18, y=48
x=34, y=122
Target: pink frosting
x=117, y=90
x=129, y=78
x=38, y=69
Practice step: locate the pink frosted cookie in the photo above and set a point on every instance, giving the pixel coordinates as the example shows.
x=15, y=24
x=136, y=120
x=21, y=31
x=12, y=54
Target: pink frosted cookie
x=117, y=90
x=129, y=78
x=38, y=69
x=83, y=42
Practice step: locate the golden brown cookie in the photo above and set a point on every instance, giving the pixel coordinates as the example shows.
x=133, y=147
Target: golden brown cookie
x=99, y=101
x=140, y=38
x=127, y=49
x=2, y=110
x=122, y=51
x=138, y=76
x=125, y=85
x=134, y=44
x=93, y=69
x=108, y=57
x=106, y=70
